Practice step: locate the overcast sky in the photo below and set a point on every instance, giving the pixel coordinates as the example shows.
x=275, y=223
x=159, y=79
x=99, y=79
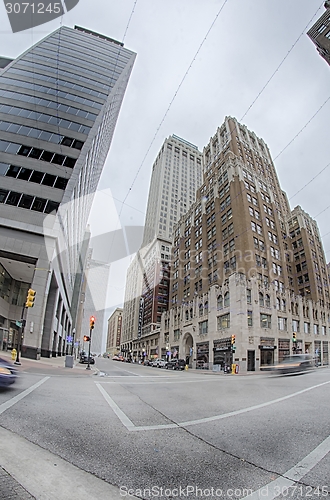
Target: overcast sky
x=248, y=41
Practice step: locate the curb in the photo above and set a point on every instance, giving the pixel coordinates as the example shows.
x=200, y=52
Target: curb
x=46, y=476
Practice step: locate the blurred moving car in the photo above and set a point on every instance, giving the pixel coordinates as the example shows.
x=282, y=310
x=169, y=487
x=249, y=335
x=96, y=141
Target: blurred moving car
x=296, y=363
x=8, y=373
x=176, y=364
x=147, y=362
x=84, y=358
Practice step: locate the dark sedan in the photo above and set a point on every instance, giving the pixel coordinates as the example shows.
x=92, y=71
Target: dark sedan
x=176, y=364
x=8, y=373
x=84, y=359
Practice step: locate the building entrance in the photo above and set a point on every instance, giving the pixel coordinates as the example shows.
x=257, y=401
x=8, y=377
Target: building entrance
x=251, y=361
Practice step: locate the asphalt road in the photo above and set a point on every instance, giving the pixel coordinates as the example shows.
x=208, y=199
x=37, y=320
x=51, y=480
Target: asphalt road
x=155, y=433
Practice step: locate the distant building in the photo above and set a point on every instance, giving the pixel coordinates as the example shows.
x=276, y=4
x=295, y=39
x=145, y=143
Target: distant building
x=176, y=175
x=246, y=271
x=115, y=323
x=319, y=33
x=97, y=279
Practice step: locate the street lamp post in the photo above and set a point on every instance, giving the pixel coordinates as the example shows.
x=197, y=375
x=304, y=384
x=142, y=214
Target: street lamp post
x=73, y=335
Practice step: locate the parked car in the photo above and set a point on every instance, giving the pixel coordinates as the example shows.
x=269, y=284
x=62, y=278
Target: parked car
x=296, y=363
x=8, y=373
x=176, y=364
x=84, y=359
x=159, y=363
x=147, y=362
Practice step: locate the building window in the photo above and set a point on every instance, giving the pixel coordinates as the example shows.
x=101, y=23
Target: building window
x=224, y=321
x=282, y=323
x=295, y=325
x=265, y=320
x=261, y=299
x=249, y=296
x=176, y=334
x=267, y=301
x=249, y=318
x=219, y=302
x=203, y=327
x=226, y=299
x=200, y=310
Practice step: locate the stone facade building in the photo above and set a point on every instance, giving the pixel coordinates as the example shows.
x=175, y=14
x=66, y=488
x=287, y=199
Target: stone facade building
x=319, y=33
x=249, y=281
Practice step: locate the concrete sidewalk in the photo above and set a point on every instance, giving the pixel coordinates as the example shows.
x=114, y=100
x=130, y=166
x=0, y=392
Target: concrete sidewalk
x=29, y=472
x=58, y=362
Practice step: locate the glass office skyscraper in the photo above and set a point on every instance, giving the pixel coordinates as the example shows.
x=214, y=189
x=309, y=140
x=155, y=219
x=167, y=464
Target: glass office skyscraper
x=59, y=103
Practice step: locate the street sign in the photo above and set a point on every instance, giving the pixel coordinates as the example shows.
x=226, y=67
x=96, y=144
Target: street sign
x=19, y=324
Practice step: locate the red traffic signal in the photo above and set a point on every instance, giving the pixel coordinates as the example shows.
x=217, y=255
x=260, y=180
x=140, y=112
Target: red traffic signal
x=91, y=322
x=86, y=338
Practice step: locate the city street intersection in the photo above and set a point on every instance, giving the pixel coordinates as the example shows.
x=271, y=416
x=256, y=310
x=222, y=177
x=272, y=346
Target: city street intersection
x=125, y=430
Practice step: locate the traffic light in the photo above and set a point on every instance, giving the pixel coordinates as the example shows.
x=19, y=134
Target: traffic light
x=233, y=339
x=86, y=338
x=91, y=322
x=294, y=337
x=30, y=298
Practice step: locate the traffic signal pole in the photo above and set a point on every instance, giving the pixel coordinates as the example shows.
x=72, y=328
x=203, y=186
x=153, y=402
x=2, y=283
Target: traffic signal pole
x=91, y=328
x=20, y=336
x=88, y=367
x=31, y=295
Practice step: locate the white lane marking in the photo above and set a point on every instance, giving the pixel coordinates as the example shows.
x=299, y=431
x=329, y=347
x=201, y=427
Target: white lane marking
x=280, y=485
x=16, y=399
x=176, y=381
x=131, y=427
x=120, y=414
x=141, y=376
x=250, y=408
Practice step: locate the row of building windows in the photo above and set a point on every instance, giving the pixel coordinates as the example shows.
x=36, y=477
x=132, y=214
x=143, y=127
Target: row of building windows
x=18, y=96
x=86, y=53
x=51, y=69
x=26, y=174
x=36, y=153
x=66, y=55
x=48, y=90
x=27, y=201
x=56, y=81
x=96, y=43
x=68, y=65
x=265, y=322
x=45, y=118
x=43, y=135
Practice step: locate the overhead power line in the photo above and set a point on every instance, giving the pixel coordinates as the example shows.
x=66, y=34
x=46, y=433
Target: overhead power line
x=307, y=184
x=278, y=67
x=298, y=133
x=173, y=98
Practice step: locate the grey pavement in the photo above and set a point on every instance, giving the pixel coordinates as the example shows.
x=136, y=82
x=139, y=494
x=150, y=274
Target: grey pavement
x=56, y=362
x=29, y=472
x=10, y=489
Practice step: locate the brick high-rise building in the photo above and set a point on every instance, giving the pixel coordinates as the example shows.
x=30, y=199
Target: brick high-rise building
x=319, y=33
x=115, y=324
x=243, y=264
